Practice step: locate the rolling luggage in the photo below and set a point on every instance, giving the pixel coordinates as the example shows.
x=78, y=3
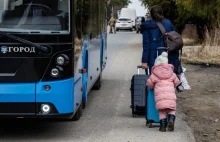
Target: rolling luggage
x=152, y=115
x=138, y=93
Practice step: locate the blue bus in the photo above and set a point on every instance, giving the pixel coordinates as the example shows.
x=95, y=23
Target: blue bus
x=52, y=54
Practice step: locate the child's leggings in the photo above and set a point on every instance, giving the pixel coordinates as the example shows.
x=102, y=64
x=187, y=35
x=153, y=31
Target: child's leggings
x=163, y=113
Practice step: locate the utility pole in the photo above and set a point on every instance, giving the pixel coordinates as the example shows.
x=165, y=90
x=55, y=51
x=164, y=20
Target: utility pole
x=108, y=3
x=112, y=11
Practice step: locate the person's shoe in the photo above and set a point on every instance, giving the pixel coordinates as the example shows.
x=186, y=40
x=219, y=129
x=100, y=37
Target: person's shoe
x=171, y=121
x=163, y=125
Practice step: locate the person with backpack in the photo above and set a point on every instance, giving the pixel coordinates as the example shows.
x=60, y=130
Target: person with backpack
x=154, y=31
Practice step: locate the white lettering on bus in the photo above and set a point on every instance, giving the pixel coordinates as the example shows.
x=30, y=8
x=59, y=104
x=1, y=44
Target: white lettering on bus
x=32, y=50
x=22, y=49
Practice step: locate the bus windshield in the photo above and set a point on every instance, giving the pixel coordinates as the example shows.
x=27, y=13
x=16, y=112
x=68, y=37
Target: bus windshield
x=35, y=16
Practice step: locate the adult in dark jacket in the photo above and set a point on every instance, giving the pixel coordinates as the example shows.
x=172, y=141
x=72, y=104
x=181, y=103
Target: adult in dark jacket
x=153, y=38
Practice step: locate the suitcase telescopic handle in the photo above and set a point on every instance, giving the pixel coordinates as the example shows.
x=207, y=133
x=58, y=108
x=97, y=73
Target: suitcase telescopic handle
x=161, y=48
x=140, y=67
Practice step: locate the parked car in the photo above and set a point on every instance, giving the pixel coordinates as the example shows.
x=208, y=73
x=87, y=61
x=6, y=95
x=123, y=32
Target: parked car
x=139, y=21
x=124, y=23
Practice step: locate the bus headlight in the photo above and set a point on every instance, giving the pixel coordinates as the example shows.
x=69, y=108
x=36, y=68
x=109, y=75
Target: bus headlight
x=60, y=67
x=60, y=60
x=55, y=72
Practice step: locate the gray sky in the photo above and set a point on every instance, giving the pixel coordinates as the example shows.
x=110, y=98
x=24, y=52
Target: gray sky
x=136, y=4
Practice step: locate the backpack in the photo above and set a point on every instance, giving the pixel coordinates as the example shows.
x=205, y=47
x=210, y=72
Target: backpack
x=173, y=40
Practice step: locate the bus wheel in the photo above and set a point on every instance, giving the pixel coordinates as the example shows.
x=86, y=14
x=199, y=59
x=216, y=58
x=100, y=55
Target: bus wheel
x=97, y=84
x=78, y=114
x=83, y=105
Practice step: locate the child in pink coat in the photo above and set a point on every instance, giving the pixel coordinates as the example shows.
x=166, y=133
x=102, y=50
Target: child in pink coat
x=164, y=81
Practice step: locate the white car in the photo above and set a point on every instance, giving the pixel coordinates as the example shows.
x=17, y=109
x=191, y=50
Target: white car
x=124, y=23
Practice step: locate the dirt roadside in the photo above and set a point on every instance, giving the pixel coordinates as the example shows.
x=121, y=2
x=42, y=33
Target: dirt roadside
x=201, y=105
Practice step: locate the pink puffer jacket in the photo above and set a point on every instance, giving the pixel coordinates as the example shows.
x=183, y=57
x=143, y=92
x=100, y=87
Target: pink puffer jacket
x=164, y=81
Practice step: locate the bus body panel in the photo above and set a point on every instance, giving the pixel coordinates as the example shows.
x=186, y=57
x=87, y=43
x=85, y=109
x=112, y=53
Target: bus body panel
x=78, y=83
x=60, y=95
x=104, y=32
x=77, y=93
x=22, y=92
x=94, y=61
x=85, y=66
x=101, y=51
x=104, y=52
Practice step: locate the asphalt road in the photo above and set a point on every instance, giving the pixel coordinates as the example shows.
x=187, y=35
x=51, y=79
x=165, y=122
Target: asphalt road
x=107, y=117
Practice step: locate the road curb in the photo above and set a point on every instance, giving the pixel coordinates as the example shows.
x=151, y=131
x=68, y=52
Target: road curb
x=190, y=133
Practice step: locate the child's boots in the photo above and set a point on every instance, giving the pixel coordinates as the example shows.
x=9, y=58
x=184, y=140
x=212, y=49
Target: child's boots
x=171, y=121
x=163, y=125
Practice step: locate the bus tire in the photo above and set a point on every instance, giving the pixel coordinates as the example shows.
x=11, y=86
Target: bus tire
x=83, y=105
x=78, y=114
x=97, y=84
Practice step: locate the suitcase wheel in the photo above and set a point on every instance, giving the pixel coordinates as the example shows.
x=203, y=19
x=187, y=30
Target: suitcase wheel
x=150, y=125
x=147, y=122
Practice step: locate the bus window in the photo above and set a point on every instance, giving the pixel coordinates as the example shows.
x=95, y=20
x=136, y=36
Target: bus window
x=43, y=16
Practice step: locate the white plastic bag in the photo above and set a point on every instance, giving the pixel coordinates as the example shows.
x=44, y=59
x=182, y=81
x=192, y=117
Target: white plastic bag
x=184, y=85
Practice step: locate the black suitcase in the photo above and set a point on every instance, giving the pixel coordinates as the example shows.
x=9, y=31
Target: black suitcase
x=138, y=93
